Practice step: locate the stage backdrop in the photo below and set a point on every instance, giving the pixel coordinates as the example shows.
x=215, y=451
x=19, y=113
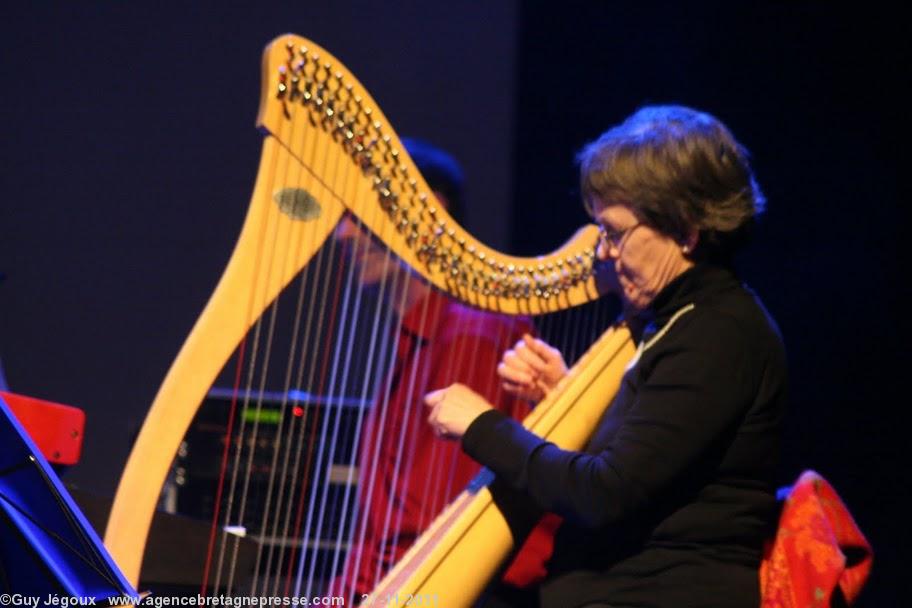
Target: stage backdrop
x=130, y=154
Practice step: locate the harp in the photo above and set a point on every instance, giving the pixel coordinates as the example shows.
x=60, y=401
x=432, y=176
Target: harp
x=329, y=153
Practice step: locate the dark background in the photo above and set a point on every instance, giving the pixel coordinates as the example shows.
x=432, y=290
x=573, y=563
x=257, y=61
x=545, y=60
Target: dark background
x=130, y=153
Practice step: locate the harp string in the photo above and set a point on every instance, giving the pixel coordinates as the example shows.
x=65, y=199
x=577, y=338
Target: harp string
x=271, y=516
x=284, y=508
x=259, y=264
x=290, y=169
x=442, y=495
x=393, y=284
x=385, y=316
x=321, y=517
x=442, y=457
x=376, y=424
x=329, y=430
x=245, y=440
x=395, y=298
x=310, y=415
x=250, y=442
x=295, y=172
x=368, y=388
x=210, y=549
x=310, y=441
x=415, y=369
x=380, y=317
x=269, y=529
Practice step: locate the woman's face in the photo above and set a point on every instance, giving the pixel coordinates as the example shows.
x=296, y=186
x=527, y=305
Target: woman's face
x=645, y=260
x=374, y=263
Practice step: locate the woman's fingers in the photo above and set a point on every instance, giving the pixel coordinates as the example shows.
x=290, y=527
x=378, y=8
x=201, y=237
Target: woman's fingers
x=434, y=397
x=525, y=391
x=544, y=352
x=552, y=367
x=511, y=372
x=529, y=355
x=453, y=409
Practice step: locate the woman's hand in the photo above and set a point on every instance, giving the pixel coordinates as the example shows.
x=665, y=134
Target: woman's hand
x=453, y=409
x=531, y=368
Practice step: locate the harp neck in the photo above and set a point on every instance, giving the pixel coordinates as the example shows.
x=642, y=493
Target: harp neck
x=304, y=84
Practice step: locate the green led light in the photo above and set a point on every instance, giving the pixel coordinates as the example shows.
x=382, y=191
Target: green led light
x=263, y=416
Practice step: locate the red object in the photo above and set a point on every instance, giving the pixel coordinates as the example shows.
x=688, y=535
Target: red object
x=529, y=567
x=55, y=428
x=818, y=547
x=407, y=473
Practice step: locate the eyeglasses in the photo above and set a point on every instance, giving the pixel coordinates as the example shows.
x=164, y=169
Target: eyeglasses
x=614, y=239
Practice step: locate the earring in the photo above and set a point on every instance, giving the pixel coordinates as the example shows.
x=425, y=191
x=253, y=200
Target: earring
x=685, y=249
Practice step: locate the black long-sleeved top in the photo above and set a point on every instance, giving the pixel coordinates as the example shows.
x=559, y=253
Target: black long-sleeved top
x=672, y=498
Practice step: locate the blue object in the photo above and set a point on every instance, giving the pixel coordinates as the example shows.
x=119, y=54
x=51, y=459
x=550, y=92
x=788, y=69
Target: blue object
x=46, y=544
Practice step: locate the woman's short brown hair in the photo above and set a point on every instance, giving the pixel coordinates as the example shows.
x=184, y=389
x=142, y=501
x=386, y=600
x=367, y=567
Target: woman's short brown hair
x=678, y=169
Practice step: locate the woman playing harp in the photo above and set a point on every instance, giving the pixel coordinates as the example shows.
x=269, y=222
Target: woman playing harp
x=672, y=498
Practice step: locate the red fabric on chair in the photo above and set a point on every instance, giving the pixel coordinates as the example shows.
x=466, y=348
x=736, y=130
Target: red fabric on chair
x=818, y=548
x=529, y=567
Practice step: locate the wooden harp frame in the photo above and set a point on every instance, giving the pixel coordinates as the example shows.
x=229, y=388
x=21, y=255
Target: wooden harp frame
x=328, y=149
